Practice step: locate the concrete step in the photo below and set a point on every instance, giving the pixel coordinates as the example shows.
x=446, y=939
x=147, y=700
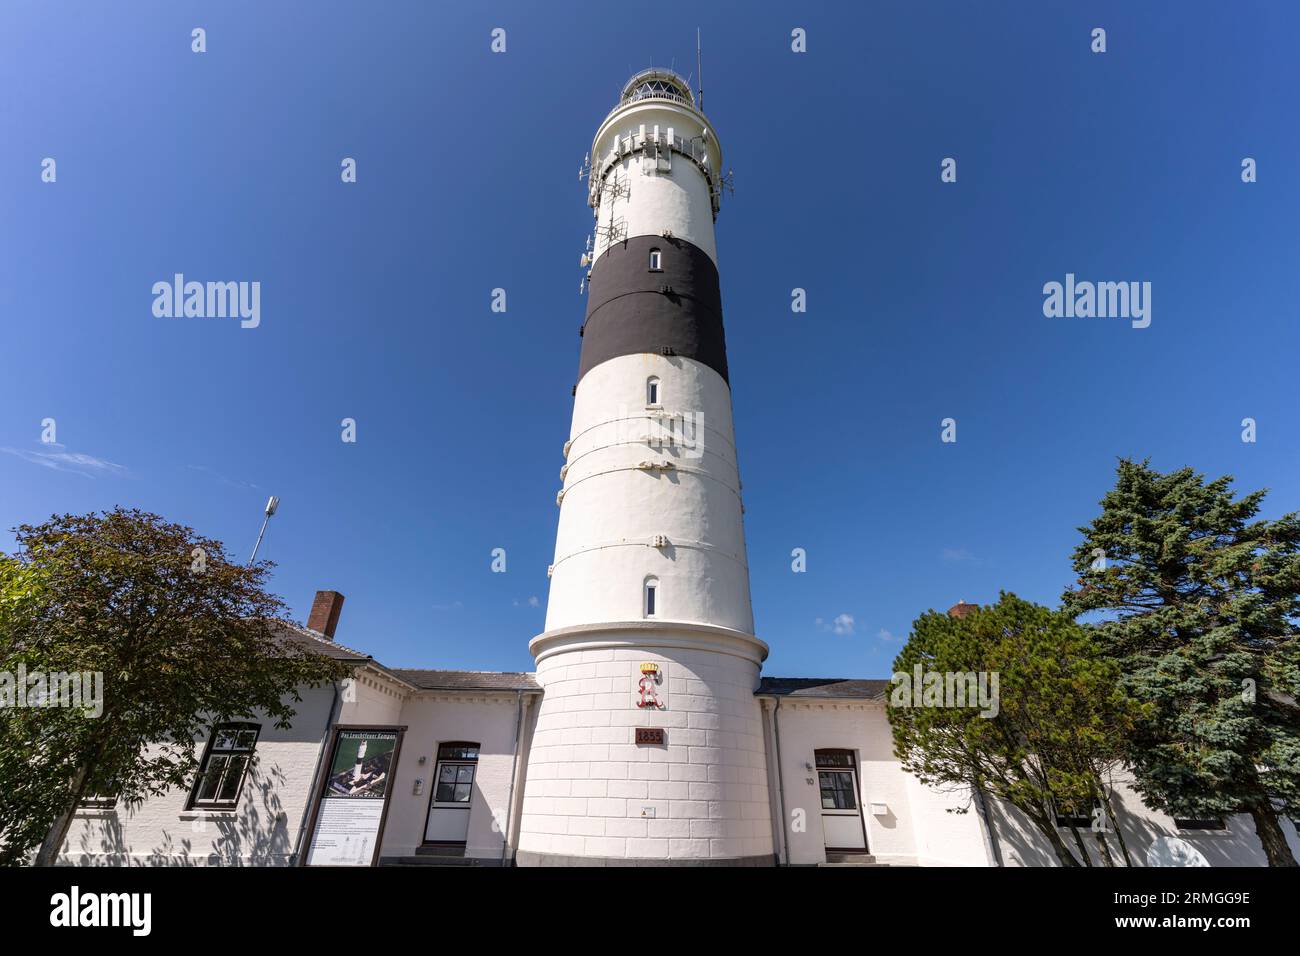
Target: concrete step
x=428, y=860
x=851, y=859
x=442, y=851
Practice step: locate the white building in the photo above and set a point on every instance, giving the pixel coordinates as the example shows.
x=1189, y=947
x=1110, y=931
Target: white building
x=833, y=786
x=647, y=735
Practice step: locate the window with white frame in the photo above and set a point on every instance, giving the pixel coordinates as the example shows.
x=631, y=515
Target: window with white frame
x=652, y=391
x=225, y=766
x=651, y=605
x=656, y=261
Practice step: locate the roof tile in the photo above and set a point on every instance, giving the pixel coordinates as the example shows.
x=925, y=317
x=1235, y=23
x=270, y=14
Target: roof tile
x=468, y=680
x=827, y=687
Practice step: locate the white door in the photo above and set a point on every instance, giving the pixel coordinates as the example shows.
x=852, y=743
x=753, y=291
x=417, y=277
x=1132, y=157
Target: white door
x=453, y=785
x=837, y=780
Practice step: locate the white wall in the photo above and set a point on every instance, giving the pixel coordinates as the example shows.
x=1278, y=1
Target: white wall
x=919, y=827
x=948, y=829
x=376, y=700
x=678, y=200
x=916, y=827
x=264, y=827
x=588, y=782
x=260, y=831
x=431, y=718
x=1143, y=828
x=611, y=510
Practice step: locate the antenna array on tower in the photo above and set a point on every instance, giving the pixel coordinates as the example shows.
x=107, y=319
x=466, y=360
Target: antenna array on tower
x=614, y=231
x=616, y=188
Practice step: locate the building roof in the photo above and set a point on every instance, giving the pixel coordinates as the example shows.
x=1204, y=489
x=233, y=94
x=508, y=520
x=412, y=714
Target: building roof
x=420, y=679
x=837, y=688
x=833, y=688
x=311, y=640
x=468, y=680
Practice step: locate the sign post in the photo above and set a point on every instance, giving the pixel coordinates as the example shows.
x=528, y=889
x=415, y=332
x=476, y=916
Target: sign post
x=352, y=802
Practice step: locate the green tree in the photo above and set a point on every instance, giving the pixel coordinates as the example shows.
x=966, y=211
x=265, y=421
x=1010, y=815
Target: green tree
x=1059, y=717
x=183, y=638
x=1201, y=598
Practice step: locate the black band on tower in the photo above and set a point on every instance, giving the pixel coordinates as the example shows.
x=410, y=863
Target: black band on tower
x=632, y=308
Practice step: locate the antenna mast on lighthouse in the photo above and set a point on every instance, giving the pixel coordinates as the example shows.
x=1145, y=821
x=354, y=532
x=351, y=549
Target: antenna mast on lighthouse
x=699, y=71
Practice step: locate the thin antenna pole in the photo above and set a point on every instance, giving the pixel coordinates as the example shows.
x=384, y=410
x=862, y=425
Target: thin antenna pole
x=272, y=504
x=699, y=68
x=258, y=543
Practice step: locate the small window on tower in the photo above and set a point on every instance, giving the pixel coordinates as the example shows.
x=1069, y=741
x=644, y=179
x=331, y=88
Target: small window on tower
x=651, y=596
x=656, y=261
x=652, y=391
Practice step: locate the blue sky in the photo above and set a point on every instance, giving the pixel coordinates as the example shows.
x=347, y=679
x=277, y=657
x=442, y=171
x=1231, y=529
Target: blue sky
x=924, y=298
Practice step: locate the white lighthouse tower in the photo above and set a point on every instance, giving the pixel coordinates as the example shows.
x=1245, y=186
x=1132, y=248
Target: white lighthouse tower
x=648, y=746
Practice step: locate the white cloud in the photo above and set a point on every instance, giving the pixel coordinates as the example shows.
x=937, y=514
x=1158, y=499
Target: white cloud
x=235, y=482
x=956, y=555
x=840, y=624
x=88, y=466
x=534, y=602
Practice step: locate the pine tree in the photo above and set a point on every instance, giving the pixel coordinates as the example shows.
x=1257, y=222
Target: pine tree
x=1050, y=740
x=1200, y=599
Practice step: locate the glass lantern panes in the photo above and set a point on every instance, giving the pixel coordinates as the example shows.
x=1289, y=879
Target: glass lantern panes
x=652, y=88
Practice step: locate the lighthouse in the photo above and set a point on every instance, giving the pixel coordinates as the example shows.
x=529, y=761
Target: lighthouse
x=648, y=747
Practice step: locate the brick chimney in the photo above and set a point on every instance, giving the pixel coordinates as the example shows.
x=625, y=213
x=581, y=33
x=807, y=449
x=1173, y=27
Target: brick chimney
x=961, y=609
x=325, y=610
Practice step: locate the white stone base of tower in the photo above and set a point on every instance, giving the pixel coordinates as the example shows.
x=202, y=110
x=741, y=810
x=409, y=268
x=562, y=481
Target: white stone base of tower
x=593, y=796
